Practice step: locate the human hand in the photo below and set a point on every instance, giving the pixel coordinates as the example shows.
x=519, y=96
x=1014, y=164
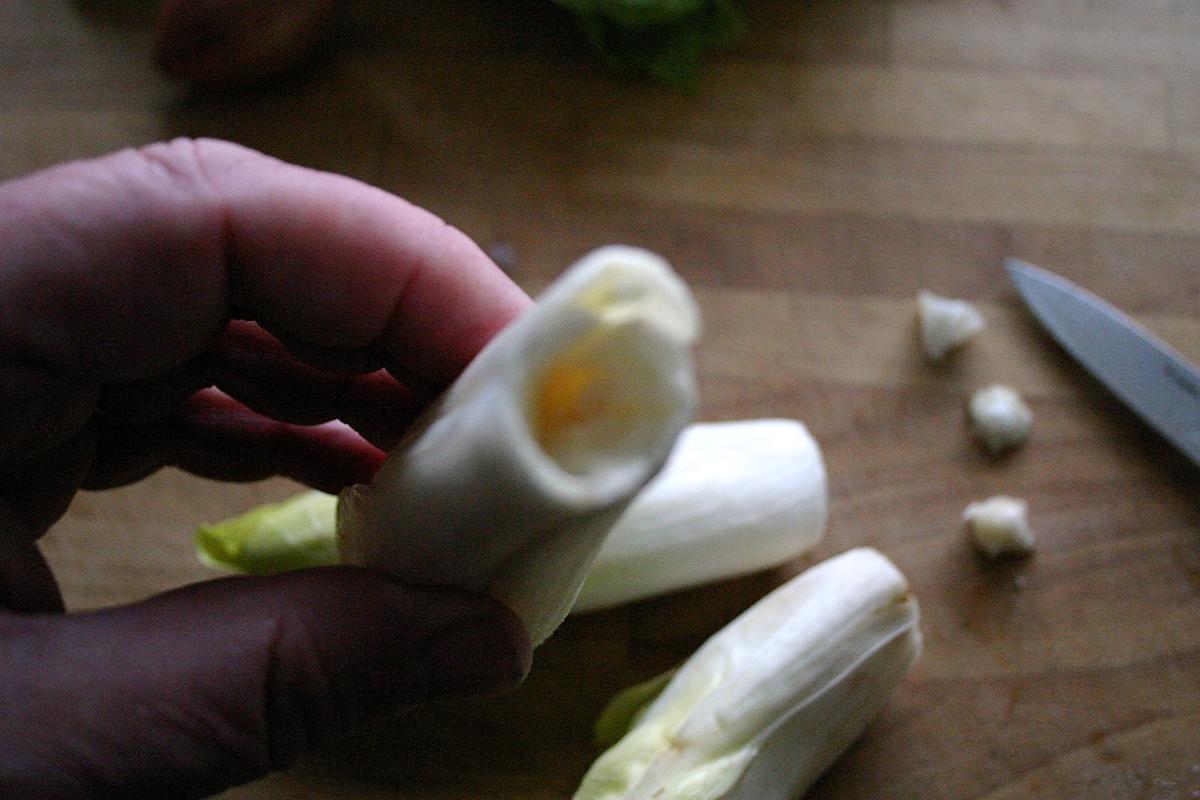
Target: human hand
x=128, y=285
x=219, y=41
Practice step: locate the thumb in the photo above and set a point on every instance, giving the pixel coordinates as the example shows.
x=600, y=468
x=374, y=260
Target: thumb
x=215, y=684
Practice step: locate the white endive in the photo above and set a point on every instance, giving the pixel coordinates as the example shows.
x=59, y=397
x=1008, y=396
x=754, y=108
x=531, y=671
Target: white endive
x=511, y=482
x=770, y=701
x=733, y=498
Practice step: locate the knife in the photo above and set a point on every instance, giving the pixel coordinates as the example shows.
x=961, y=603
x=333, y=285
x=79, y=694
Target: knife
x=1143, y=371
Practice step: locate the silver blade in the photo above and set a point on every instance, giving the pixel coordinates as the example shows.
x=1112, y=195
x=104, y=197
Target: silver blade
x=1138, y=367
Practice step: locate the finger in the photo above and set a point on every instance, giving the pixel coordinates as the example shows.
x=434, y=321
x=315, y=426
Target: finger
x=230, y=41
x=40, y=410
x=26, y=583
x=256, y=369
x=38, y=491
x=268, y=418
x=218, y=683
x=152, y=249
x=153, y=398
x=217, y=437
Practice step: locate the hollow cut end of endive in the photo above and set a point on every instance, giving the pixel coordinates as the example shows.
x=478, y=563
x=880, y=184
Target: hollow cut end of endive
x=770, y=701
x=608, y=386
x=734, y=498
x=510, y=483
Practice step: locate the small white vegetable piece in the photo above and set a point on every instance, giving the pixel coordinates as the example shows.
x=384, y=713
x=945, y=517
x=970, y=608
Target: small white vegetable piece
x=945, y=323
x=510, y=484
x=770, y=701
x=1000, y=526
x=733, y=498
x=1000, y=418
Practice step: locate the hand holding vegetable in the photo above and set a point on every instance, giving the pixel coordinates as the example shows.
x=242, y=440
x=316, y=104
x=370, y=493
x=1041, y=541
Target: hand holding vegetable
x=127, y=286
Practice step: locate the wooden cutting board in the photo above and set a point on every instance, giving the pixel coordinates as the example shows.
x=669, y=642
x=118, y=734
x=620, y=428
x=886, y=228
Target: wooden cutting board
x=847, y=154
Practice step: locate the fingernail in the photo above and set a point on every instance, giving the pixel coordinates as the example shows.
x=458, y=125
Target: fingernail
x=478, y=656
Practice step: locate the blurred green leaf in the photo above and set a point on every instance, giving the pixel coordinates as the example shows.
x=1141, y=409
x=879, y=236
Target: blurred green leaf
x=663, y=39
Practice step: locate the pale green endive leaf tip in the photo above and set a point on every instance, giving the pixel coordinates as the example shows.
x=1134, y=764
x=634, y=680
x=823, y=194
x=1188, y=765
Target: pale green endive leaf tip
x=296, y=533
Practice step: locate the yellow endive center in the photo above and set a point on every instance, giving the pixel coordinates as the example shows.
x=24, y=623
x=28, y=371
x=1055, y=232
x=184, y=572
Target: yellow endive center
x=566, y=398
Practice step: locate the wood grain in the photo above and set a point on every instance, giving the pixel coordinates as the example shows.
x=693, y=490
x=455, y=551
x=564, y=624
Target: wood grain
x=1065, y=38
x=1151, y=193
x=1185, y=111
x=848, y=153
x=910, y=103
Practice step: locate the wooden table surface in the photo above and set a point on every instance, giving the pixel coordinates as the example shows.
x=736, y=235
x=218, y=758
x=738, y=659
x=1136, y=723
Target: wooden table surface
x=847, y=154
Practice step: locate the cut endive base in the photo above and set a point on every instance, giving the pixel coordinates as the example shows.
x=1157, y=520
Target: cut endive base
x=734, y=498
x=769, y=702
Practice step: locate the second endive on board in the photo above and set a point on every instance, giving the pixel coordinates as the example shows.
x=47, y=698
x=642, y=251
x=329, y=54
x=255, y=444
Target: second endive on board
x=771, y=700
x=733, y=498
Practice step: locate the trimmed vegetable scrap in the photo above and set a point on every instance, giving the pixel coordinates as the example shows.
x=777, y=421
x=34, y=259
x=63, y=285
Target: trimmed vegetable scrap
x=1000, y=417
x=1000, y=526
x=946, y=324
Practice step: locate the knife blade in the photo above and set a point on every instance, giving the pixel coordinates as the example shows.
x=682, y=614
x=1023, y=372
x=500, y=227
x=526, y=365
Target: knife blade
x=1143, y=371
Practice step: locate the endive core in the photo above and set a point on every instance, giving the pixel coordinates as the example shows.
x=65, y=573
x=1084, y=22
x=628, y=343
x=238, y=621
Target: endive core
x=595, y=401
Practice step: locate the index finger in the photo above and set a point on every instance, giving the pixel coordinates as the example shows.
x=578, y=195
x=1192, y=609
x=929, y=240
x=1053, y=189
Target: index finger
x=125, y=266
